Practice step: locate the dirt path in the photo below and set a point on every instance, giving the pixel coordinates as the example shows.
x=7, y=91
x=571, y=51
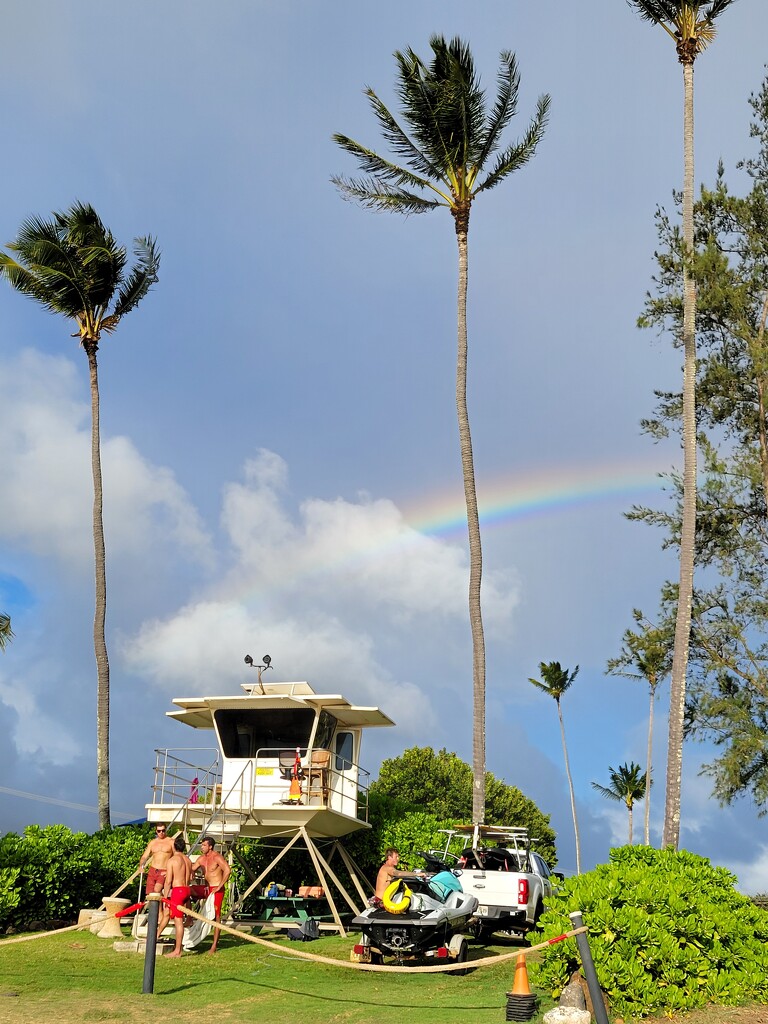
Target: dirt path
x=717, y=1015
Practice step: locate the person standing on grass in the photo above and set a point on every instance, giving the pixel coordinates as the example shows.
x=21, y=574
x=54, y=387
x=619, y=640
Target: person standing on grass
x=158, y=852
x=177, y=889
x=217, y=873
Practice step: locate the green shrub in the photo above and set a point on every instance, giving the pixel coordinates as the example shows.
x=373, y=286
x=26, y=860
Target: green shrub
x=50, y=872
x=9, y=892
x=667, y=931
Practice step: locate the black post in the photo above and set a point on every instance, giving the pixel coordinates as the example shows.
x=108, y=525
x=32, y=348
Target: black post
x=588, y=964
x=153, y=912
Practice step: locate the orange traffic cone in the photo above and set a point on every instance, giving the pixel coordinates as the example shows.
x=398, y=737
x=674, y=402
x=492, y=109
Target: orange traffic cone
x=521, y=1002
x=521, y=986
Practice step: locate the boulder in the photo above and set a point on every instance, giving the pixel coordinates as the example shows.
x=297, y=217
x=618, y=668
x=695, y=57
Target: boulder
x=573, y=996
x=567, y=1015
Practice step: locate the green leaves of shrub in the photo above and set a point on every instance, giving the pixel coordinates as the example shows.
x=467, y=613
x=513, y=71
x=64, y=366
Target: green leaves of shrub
x=51, y=872
x=667, y=931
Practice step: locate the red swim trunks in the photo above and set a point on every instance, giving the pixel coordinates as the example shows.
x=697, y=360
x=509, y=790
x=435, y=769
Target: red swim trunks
x=155, y=878
x=202, y=892
x=179, y=896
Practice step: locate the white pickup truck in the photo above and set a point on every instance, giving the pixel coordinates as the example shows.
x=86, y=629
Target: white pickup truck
x=496, y=864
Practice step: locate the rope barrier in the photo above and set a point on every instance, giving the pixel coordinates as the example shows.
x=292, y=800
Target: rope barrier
x=73, y=927
x=384, y=968
x=316, y=957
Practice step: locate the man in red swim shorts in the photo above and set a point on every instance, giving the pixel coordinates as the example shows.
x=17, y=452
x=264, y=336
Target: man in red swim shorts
x=158, y=852
x=176, y=887
x=217, y=873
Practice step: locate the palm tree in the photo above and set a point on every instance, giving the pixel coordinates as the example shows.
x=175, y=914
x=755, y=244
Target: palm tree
x=555, y=680
x=6, y=633
x=73, y=266
x=450, y=150
x=628, y=783
x=645, y=655
x=690, y=24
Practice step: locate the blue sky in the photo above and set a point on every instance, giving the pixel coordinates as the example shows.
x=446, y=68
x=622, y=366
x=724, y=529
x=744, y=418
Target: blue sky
x=280, y=450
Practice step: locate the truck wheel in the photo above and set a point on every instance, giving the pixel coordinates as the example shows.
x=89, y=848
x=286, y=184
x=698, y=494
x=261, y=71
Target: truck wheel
x=479, y=932
x=537, y=914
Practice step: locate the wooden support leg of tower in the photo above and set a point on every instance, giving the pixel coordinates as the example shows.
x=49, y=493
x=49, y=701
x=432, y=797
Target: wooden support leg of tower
x=244, y=865
x=351, y=867
x=325, y=863
x=268, y=869
x=354, y=871
x=318, y=860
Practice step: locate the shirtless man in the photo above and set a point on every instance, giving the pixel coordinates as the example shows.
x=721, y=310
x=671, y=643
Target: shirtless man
x=176, y=888
x=217, y=873
x=388, y=872
x=158, y=852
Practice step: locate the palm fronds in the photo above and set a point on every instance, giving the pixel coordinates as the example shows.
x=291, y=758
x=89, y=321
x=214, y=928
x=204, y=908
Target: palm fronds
x=446, y=137
x=628, y=784
x=6, y=633
x=689, y=22
x=73, y=266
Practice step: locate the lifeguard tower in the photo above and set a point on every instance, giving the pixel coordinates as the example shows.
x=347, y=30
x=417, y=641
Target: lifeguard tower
x=287, y=766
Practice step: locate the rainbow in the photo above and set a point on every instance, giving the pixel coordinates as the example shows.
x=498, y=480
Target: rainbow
x=545, y=490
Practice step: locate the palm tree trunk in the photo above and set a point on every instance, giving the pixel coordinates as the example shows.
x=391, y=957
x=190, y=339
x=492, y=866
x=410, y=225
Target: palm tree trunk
x=473, y=530
x=671, y=835
x=629, y=809
x=99, y=639
x=570, y=790
x=647, y=812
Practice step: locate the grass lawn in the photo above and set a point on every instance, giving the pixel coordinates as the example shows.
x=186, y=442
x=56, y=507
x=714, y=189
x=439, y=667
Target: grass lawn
x=78, y=978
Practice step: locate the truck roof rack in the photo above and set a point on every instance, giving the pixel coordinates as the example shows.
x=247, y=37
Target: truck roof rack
x=513, y=837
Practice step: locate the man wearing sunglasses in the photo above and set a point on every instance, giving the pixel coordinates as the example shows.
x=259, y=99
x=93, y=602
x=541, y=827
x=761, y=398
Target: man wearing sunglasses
x=158, y=852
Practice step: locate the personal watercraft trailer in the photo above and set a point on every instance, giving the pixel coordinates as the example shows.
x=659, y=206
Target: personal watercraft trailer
x=420, y=917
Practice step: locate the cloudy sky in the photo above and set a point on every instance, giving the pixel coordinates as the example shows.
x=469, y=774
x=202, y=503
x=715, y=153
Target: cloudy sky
x=280, y=452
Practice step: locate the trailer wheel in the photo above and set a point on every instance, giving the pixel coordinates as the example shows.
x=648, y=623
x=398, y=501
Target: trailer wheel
x=458, y=946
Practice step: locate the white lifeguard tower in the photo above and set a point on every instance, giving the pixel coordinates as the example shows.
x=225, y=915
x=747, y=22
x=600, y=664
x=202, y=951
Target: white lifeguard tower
x=287, y=766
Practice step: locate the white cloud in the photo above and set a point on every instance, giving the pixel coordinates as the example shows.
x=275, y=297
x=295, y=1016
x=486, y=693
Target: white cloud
x=35, y=733
x=200, y=650
x=752, y=874
x=46, y=498
x=363, y=552
x=308, y=584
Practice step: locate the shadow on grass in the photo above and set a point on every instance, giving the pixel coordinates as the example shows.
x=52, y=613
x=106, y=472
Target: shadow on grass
x=333, y=998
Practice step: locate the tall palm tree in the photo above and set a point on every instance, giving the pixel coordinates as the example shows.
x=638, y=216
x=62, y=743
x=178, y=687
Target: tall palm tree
x=6, y=633
x=450, y=153
x=690, y=24
x=73, y=266
x=628, y=783
x=645, y=655
x=554, y=681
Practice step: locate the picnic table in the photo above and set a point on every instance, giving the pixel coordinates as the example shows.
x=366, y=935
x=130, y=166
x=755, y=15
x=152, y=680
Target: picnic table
x=290, y=909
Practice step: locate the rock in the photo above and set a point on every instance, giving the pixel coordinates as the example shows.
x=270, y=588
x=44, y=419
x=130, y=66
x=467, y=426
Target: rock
x=567, y=1015
x=579, y=979
x=573, y=996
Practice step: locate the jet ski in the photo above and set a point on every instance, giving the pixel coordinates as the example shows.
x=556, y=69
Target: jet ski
x=418, y=917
